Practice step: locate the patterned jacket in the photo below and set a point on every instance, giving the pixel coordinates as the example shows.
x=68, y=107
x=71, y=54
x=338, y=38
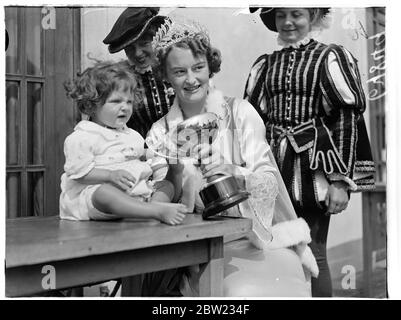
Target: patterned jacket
x=311, y=100
x=157, y=100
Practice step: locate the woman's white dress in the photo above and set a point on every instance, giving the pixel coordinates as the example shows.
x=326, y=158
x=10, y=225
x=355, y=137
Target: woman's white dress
x=273, y=259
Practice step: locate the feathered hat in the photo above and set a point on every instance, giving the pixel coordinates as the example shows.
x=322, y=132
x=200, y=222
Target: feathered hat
x=131, y=25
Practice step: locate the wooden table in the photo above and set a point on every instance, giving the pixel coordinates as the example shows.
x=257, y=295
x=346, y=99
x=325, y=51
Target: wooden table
x=86, y=252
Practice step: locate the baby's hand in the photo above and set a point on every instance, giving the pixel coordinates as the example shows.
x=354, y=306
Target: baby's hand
x=122, y=179
x=173, y=213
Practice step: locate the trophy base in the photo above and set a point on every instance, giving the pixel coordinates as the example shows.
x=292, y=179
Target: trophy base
x=220, y=193
x=218, y=206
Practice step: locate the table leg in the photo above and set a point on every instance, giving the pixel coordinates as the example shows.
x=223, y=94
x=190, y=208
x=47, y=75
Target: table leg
x=212, y=273
x=132, y=286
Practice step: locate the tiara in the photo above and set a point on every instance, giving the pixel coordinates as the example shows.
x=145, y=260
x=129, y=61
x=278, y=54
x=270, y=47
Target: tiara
x=171, y=32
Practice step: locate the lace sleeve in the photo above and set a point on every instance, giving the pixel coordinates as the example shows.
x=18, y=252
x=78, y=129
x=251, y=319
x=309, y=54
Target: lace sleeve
x=263, y=190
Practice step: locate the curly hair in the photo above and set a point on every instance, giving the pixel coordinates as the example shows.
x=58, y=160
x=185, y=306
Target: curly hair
x=91, y=88
x=199, y=45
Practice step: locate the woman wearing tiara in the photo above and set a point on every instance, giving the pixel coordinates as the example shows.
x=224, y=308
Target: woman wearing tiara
x=273, y=259
x=310, y=96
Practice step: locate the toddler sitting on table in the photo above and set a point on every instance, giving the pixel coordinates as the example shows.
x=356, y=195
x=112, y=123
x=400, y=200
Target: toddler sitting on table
x=106, y=173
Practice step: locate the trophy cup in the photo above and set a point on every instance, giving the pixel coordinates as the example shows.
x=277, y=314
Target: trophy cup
x=221, y=191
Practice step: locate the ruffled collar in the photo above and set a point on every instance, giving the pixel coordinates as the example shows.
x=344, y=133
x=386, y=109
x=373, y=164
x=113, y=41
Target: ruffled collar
x=140, y=70
x=144, y=70
x=107, y=133
x=296, y=45
x=214, y=103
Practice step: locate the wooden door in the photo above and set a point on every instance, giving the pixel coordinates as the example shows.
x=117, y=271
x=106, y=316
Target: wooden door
x=43, y=52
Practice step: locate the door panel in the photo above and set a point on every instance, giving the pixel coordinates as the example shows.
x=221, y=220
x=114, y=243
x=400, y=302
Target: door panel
x=39, y=59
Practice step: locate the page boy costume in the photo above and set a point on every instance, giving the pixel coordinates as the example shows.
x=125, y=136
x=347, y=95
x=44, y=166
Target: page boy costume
x=131, y=25
x=310, y=97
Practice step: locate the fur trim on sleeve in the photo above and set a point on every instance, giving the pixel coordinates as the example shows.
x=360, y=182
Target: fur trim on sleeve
x=295, y=233
x=290, y=233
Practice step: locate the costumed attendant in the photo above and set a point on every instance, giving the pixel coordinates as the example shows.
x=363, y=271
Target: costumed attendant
x=133, y=32
x=310, y=97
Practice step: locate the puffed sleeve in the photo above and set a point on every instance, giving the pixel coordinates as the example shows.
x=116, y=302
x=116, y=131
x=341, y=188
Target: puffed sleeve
x=156, y=145
x=343, y=101
x=156, y=139
x=341, y=82
x=158, y=164
x=79, y=156
x=255, y=87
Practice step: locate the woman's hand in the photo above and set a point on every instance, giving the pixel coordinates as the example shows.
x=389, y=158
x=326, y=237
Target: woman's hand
x=207, y=154
x=122, y=179
x=337, y=197
x=212, y=163
x=216, y=168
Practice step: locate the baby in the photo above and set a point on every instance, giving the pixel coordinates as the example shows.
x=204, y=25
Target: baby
x=106, y=175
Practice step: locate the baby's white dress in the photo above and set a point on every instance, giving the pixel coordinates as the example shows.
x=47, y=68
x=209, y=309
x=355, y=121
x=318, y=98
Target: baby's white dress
x=94, y=146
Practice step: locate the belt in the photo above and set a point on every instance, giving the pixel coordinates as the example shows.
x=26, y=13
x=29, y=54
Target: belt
x=312, y=134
